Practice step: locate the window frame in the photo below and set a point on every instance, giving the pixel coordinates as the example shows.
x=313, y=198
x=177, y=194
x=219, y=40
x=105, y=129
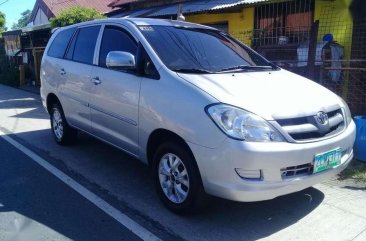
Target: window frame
x=67, y=45
x=75, y=36
x=119, y=28
x=125, y=29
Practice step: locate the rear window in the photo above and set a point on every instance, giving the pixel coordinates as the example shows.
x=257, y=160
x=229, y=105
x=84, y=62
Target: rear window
x=85, y=44
x=60, y=42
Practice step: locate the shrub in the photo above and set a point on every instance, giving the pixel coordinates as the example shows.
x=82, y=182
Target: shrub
x=75, y=15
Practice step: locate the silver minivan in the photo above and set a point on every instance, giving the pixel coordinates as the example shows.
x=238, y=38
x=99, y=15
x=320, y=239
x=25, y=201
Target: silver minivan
x=205, y=112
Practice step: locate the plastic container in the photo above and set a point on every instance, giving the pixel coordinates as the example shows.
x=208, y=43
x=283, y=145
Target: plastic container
x=360, y=144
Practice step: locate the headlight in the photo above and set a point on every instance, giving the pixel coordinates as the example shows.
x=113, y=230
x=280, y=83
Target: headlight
x=347, y=112
x=242, y=125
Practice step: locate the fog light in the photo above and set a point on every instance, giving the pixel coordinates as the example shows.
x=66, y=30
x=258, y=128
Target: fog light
x=249, y=174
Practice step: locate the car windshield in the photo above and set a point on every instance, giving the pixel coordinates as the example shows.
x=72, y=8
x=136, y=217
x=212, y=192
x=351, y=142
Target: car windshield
x=199, y=50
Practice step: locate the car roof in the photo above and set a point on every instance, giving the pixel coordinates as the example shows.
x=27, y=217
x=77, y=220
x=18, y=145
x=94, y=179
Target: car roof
x=143, y=22
x=163, y=22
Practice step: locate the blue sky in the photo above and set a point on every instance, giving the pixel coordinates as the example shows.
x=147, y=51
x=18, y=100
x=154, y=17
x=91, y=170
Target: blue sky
x=13, y=9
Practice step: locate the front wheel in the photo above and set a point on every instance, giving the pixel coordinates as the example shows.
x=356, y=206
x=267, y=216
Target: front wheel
x=63, y=133
x=177, y=178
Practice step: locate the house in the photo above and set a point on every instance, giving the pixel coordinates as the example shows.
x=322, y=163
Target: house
x=258, y=22
x=43, y=10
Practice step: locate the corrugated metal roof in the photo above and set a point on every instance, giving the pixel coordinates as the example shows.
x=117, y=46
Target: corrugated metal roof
x=119, y=3
x=201, y=6
x=134, y=13
x=36, y=27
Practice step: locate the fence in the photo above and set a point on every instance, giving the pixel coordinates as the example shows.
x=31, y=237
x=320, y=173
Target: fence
x=332, y=52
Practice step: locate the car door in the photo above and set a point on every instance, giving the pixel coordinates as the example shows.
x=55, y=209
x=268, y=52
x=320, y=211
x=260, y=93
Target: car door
x=77, y=68
x=115, y=94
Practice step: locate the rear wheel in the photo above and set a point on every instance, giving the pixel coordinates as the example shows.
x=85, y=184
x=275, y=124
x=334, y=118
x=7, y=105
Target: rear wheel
x=63, y=133
x=177, y=178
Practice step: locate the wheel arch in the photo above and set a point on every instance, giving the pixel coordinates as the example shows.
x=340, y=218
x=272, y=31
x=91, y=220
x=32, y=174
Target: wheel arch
x=159, y=136
x=51, y=99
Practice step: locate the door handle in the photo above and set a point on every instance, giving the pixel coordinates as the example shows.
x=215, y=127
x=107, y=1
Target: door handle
x=96, y=80
x=62, y=72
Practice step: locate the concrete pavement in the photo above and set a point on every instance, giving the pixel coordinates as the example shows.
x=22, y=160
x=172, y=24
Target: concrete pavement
x=320, y=213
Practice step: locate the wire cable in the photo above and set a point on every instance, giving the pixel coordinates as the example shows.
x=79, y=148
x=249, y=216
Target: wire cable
x=4, y=2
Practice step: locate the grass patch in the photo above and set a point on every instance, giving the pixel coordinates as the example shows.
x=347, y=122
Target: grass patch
x=356, y=171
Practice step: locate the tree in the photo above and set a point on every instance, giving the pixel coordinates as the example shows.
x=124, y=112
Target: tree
x=75, y=15
x=23, y=20
x=2, y=22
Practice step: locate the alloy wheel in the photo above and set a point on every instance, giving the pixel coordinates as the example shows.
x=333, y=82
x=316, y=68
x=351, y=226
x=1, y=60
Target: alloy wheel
x=173, y=177
x=57, y=124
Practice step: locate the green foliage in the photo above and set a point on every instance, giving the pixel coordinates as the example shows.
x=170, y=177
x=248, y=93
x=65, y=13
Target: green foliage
x=23, y=20
x=356, y=171
x=2, y=22
x=74, y=15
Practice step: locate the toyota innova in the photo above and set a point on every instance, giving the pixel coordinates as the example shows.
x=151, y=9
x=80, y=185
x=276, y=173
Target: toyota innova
x=205, y=112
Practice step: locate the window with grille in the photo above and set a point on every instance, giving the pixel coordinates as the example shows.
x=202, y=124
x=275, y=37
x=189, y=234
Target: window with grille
x=283, y=22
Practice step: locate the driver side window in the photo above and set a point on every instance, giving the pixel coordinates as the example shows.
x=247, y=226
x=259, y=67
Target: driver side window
x=115, y=39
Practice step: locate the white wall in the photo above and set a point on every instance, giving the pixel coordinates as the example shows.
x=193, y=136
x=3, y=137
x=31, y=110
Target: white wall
x=39, y=19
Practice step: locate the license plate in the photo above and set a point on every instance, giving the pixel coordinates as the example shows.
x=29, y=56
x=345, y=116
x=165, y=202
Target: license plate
x=327, y=160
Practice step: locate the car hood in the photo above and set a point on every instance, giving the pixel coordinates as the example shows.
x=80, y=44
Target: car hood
x=269, y=94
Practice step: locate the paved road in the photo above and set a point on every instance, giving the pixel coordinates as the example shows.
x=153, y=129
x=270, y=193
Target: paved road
x=319, y=213
x=35, y=204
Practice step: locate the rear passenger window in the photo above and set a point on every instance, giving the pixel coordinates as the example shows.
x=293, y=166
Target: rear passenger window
x=60, y=42
x=115, y=39
x=85, y=44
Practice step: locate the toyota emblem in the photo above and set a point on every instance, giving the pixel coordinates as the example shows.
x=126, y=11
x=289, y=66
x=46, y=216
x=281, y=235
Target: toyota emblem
x=322, y=118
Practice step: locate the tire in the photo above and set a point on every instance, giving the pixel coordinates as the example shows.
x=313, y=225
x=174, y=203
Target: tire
x=179, y=192
x=62, y=132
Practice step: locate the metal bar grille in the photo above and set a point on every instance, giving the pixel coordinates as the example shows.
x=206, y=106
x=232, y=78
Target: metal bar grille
x=283, y=22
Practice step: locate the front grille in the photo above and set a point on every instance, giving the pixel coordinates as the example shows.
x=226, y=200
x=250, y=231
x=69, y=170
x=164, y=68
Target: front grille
x=307, y=128
x=294, y=171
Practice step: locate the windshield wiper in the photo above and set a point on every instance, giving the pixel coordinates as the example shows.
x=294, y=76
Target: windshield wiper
x=247, y=67
x=193, y=70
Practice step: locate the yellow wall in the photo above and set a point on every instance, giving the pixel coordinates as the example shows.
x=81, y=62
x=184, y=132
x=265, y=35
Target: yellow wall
x=239, y=23
x=335, y=18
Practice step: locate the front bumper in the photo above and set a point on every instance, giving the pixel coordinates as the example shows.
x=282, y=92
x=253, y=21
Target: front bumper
x=217, y=166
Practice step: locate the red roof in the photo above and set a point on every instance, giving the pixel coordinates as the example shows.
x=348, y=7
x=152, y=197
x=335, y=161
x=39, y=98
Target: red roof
x=56, y=6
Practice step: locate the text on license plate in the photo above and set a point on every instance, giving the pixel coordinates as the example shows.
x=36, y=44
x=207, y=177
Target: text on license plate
x=327, y=160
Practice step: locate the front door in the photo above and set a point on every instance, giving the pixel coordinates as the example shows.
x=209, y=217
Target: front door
x=115, y=94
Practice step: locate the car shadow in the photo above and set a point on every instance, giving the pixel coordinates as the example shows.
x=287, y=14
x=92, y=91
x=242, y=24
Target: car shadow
x=127, y=184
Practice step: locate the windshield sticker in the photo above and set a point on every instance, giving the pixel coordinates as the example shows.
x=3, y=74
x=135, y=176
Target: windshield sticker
x=146, y=28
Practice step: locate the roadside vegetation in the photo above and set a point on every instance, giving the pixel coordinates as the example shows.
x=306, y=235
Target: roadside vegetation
x=23, y=20
x=355, y=171
x=75, y=15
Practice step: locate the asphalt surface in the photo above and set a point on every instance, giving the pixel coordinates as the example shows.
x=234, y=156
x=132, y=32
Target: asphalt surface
x=35, y=204
x=31, y=194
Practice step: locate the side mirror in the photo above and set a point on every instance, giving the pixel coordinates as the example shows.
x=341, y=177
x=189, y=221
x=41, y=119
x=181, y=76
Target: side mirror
x=120, y=60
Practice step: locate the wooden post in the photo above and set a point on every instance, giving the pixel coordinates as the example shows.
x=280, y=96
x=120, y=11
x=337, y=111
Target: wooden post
x=312, y=49
x=35, y=62
x=21, y=75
